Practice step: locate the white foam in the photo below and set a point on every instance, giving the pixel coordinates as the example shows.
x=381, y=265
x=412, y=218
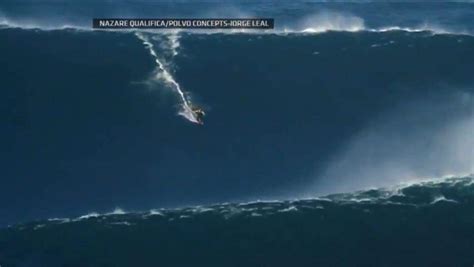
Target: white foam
x=27, y=25
x=121, y=223
x=87, y=216
x=331, y=21
x=314, y=24
x=290, y=208
x=155, y=212
x=419, y=28
x=116, y=211
x=442, y=198
x=174, y=43
x=164, y=75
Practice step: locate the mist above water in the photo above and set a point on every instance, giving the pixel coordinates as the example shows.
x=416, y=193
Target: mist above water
x=419, y=139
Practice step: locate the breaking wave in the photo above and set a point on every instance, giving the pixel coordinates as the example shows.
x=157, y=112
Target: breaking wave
x=356, y=223
x=336, y=27
x=329, y=21
x=337, y=139
x=316, y=23
x=452, y=190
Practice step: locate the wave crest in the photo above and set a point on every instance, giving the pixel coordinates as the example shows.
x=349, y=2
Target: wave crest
x=330, y=21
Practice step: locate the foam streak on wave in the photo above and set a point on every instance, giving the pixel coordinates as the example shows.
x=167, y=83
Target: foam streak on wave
x=166, y=76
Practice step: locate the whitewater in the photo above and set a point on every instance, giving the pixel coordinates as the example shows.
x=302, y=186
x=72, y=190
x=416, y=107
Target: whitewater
x=343, y=137
x=315, y=22
x=163, y=74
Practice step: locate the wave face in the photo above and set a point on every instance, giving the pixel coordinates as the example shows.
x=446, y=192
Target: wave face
x=340, y=97
x=91, y=120
x=423, y=224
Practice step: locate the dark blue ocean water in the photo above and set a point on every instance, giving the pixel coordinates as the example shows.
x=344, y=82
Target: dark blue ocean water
x=428, y=224
x=339, y=97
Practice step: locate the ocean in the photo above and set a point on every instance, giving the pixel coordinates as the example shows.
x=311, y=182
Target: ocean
x=343, y=137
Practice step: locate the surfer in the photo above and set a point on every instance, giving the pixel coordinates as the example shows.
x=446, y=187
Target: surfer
x=199, y=115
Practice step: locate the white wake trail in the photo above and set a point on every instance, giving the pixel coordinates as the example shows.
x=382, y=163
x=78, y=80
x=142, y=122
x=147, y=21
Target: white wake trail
x=165, y=75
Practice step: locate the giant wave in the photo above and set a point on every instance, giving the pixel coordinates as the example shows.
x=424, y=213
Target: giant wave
x=339, y=138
